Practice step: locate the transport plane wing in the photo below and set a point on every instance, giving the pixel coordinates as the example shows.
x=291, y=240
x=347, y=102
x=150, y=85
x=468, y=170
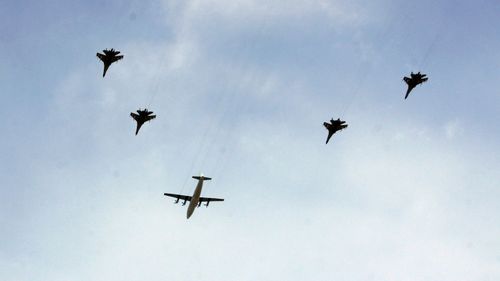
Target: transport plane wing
x=208, y=200
x=188, y=198
x=205, y=199
x=179, y=197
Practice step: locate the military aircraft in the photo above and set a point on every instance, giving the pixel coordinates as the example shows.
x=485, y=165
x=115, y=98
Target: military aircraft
x=195, y=200
x=142, y=117
x=413, y=81
x=109, y=57
x=333, y=127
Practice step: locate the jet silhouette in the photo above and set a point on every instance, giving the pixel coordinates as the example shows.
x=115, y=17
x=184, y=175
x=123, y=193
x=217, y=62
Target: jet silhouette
x=413, y=81
x=333, y=127
x=109, y=57
x=142, y=117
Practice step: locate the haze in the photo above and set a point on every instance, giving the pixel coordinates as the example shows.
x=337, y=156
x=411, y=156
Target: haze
x=409, y=191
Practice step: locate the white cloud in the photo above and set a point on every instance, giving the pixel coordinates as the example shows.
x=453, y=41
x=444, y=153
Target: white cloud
x=253, y=11
x=453, y=129
x=371, y=205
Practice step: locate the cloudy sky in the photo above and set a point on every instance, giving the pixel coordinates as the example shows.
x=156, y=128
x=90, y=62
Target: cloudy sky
x=409, y=191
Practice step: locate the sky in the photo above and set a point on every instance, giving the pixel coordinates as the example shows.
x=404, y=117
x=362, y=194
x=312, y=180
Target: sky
x=409, y=191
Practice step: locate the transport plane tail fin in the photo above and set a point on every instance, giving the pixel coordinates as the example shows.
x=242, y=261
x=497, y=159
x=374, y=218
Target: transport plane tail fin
x=201, y=178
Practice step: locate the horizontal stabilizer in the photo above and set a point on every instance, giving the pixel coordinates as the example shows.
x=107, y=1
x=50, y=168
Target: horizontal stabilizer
x=201, y=178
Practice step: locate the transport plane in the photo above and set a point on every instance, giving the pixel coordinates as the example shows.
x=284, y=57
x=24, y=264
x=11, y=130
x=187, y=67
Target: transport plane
x=195, y=200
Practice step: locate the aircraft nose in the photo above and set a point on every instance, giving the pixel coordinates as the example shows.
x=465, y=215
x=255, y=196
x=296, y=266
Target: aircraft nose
x=189, y=213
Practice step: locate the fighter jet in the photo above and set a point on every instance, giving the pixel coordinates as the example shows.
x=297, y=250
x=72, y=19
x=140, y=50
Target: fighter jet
x=413, y=81
x=195, y=200
x=142, y=117
x=109, y=57
x=333, y=127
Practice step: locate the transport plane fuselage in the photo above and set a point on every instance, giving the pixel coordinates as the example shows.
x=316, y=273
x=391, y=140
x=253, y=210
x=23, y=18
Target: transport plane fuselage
x=196, y=195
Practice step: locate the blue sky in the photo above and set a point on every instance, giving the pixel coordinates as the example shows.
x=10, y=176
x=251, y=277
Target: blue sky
x=409, y=191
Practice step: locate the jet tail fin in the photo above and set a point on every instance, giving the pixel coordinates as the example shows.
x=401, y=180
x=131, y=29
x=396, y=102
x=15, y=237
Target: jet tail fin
x=202, y=178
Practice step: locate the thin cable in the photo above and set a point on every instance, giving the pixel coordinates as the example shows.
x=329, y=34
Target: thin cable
x=202, y=151
x=366, y=70
x=232, y=99
x=156, y=84
x=228, y=144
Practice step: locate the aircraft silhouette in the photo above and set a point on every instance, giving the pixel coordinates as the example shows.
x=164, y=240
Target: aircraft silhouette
x=109, y=57
x=196, y=199
x=413, y=81
x=333, y=127
x=142, y=117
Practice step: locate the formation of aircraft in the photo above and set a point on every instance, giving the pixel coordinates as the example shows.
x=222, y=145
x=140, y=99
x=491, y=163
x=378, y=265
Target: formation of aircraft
x=413, y=81
x=141, y=117
x=109, y=57
x=333, y=127
x=195, y=200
